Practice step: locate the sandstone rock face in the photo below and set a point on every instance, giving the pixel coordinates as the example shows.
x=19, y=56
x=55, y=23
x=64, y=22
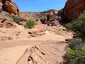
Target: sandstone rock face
x=49, y=17
x=46, y=53
x=73, y=8
x=52, y=18
x=1, y=4
x=6, y=21
x=9, y=6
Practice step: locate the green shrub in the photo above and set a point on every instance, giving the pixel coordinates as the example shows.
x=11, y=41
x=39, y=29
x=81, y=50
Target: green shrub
x=74, y=57
x=75, y=44
x=76, y=52
x=15, y=18
x=30, y=24
x=78, y=26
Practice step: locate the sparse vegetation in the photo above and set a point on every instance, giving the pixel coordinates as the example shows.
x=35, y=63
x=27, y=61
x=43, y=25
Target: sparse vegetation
x=78, y=26
x=15, y=18
x=76, y=51
x=30, y=24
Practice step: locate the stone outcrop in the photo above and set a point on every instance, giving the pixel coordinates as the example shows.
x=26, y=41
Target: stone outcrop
x=72, y=9
x=1, y=4
x=51, y=18
x=46, y=53
x=9, y=6
x=5, y=21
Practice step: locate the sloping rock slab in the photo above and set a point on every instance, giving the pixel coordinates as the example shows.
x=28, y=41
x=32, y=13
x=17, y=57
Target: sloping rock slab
x=46, y=53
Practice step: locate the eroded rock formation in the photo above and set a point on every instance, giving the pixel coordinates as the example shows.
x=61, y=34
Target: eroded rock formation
x=9, y=6
x=6, y=21
x=50, y=18
x=46, y=53
x=72, y=9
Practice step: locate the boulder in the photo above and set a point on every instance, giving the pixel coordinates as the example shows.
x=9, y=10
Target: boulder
x=9, y=6
x=52, y=18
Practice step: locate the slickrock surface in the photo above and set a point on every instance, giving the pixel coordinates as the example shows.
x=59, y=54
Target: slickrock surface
x=25, y=49
x=12, y=54
x=46, y=53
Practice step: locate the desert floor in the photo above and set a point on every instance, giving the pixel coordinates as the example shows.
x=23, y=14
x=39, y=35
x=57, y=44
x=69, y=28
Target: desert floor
x=17, y=45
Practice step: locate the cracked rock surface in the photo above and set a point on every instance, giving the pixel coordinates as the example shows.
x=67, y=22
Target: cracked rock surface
x=45, y=53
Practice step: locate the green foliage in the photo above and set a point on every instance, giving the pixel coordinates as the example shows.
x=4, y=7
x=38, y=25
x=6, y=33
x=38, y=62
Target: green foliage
x=76, y=52
x=74, y=57
x=15, y=18
x=75, y=44
x=30, y=24
x=78, y=26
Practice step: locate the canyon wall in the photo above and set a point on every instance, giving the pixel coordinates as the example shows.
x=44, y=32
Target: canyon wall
x=72, y=9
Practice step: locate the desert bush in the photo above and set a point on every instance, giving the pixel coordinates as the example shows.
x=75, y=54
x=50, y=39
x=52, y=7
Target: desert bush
x=76, y=52
x=75, y=44
x=15, y=18
x=30, y=24
x=74, y=57
x=78, y=26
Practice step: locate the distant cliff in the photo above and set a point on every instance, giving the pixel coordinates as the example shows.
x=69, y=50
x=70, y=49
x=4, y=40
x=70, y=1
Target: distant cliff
x=49, y=17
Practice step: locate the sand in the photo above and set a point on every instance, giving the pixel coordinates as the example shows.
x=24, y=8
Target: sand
x=15, y=41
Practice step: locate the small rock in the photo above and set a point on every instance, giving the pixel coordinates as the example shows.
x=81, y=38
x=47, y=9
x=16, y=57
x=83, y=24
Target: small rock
x=10, y=38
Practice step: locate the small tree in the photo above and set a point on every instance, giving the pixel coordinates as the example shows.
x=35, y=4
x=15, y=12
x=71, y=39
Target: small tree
x=30, y=24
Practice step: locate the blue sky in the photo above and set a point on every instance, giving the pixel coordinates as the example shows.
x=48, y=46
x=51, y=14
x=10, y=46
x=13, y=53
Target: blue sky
x=39, y=5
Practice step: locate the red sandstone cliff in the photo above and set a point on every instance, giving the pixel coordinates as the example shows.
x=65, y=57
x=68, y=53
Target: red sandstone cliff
x=72, y=9
x=9, y=6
